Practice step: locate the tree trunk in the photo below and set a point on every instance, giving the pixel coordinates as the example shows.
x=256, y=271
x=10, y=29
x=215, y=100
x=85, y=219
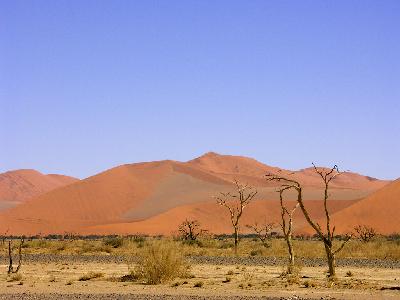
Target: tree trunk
x=10, y=266
x=236, y=239
x=291, y=254
x=331, y=261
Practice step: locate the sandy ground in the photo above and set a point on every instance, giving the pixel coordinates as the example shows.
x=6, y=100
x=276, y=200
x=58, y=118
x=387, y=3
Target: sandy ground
x=60, y=281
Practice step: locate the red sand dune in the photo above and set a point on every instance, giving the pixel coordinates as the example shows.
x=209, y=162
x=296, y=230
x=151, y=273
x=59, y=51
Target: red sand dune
x=23, y=185
x=380, y=210
x=151, y=193
x=215, y=218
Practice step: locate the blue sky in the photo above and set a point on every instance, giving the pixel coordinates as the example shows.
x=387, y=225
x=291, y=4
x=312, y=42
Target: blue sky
x=88, y=85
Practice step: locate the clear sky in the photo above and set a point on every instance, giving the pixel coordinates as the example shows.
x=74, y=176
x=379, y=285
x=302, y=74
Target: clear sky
x=88, y=85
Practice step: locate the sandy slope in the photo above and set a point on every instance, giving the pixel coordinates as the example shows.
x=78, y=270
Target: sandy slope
x=379, y=210
x=147, y=191
x=215, y=218
x=252, y=171
x=22, y=185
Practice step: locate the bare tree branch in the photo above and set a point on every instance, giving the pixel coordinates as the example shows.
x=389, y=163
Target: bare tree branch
x=236, y=203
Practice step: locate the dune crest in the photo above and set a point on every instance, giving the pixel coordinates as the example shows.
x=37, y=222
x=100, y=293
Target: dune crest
x=143, y=196
x=22, y=185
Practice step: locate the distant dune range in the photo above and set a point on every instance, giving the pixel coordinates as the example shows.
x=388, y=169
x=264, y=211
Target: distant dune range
x=22, y=185
x=155, y=197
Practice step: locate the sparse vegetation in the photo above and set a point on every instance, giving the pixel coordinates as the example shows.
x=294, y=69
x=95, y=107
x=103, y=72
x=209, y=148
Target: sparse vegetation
x=11, y=269
x=365, y=233
x=326, y=235
x=236, y=202
x=190, y=230
x=380, y=247
x=292, y=275
x=90, y=276
x=114, y=242
x=160, y=262
x=15, y=277
x=199, y=284
x=263, y=232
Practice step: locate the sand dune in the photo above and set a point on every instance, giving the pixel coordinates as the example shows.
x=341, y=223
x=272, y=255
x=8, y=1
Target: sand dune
x=151, y=193
x=379, y=210
x=215, y=218
x=22, y=185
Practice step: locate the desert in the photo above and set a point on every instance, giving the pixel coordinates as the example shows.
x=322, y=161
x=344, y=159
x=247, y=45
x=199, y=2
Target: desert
x=200, y=150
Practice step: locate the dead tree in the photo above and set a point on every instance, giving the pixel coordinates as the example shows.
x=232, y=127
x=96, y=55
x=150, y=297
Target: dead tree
x=3, y=238
x=365, y=233
x=10, y=265
x=190, y=230
x=263, y=232
x=236, y=202
x=287, y=227
x=327, y=234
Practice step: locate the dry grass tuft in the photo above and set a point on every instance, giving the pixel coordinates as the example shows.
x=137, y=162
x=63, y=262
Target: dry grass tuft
x=15, y=277
x=199, y=284
x=292, y=274
x=160, y=262
x=379, y=248
x=90, y=276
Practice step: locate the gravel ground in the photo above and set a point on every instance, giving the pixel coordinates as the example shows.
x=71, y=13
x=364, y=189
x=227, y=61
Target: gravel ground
x=214, y=260
x=142, y=297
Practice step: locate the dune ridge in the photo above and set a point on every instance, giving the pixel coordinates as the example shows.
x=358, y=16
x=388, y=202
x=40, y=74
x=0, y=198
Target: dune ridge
x=22, y=185
x=144, y=196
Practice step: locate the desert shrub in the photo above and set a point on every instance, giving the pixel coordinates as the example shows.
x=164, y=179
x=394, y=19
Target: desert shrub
x=159, y=262
x=139, y=240
x=247, y=276
x=176, y=284
x=292, y=274
x=114, y=242
x=256, y=252
x=365, y=233
x=69, y=282
x=196, y=242
x=309, y=284
x=190, y=230
x=61, y=247
x=199, y=284
x=129, y=277
x=394, y=237
x=15, y=277
x=90, y=276
x=226, y=245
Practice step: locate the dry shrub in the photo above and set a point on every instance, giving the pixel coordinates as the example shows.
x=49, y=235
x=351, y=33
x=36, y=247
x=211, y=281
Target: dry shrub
x=114, y=241
x=69, y=282
x=365, y=233
x=90, y=276
x=15, y=277
x=199, y=284
x=292, y=274
x=160, y=262
x=256, y=252
x=309, y=284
